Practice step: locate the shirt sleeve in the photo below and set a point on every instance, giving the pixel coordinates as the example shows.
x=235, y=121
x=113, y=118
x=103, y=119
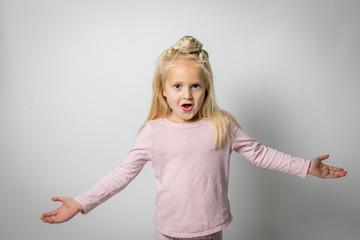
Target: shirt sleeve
x=122, y=175
x=266, y=157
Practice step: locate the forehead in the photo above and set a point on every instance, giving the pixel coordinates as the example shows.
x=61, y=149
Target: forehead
x=183, y=69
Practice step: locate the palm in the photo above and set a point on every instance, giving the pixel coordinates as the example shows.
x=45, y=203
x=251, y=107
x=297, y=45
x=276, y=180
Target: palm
x=66, y=211
x=318, y=169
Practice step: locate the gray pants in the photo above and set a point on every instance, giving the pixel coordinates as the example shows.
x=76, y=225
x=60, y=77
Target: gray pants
x=214, y=236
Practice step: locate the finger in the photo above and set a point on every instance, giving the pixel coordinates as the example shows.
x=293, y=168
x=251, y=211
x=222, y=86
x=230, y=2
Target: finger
x=51, y=217
x=341, y=173
x=49, y=214
x=323, y=157
x=58, y=199
x=335, y=168
x=45, y=215
x=337, y=174
x=50, y=220
x=52, y=213
x=47, y=218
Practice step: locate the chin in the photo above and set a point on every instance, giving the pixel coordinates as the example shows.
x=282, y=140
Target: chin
x=192, y=118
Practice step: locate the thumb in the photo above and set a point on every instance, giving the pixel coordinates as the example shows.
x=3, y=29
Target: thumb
x=58, y=199
x=323, y=157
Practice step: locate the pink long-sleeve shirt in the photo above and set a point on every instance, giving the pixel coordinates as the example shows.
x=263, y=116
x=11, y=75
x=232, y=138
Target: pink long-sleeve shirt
x=191, y=177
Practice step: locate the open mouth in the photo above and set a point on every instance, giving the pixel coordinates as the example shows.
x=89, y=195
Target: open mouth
x=186, y=107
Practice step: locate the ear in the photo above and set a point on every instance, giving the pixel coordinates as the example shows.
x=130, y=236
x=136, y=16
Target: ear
x=164, y=93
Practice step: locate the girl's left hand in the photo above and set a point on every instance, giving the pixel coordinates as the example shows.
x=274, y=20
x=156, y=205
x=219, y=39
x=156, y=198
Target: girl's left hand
x=68, y=209
x=318, y=169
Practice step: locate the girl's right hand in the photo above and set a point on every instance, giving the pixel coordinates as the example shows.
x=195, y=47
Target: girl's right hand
x=66, y=211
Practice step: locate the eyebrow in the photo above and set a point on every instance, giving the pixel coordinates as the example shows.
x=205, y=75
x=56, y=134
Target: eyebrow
x=180, y=82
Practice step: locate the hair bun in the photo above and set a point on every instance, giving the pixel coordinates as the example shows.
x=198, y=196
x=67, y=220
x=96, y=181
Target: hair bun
x=188, y=44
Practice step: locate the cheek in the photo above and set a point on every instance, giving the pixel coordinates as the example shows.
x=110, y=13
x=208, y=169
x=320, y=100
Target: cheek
x=170, y=98
x=201, y=97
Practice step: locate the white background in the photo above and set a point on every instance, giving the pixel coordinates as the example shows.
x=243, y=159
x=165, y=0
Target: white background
x=75, y=86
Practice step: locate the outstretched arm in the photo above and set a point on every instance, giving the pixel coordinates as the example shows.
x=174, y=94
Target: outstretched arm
x=65, y=212
x=318, y=169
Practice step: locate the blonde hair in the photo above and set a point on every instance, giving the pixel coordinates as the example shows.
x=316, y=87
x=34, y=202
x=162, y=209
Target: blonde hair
x=189, y=48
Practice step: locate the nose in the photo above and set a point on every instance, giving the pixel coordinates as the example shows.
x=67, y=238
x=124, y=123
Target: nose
x=187, y=94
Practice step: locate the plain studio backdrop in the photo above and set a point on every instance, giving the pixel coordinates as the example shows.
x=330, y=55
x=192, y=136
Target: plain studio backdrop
x=75, y=87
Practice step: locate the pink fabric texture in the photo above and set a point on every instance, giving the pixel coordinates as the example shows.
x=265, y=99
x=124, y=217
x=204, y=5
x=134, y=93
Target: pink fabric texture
x=214, y=236
x=191, y=177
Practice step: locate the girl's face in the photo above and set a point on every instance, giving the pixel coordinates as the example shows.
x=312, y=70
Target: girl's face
x=184, y=91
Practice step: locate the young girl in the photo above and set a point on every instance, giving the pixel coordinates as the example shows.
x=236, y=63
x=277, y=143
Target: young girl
x=189, y=140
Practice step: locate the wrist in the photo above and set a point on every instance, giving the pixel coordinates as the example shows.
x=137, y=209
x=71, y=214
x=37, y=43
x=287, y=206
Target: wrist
x=79, y=207
x=310, y=169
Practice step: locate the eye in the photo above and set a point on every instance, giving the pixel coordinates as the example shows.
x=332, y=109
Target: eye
x=196, y=86
x=177, y=86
